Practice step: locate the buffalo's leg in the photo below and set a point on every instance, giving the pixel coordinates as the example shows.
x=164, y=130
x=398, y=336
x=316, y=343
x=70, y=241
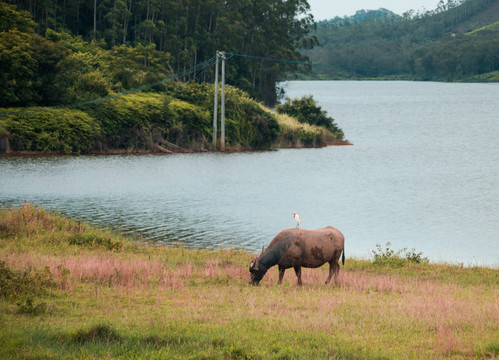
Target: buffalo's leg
x=281, y=274
x=298, y=274
x=331, y=271
x=334, y=269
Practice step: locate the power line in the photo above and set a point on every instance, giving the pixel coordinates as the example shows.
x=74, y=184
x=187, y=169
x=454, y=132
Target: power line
x=203, y=66
x=337, y=67
x=271, y=59
x=197, y=68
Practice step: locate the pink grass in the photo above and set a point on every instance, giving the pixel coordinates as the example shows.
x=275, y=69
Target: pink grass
x=111, y=270
x=366, y=308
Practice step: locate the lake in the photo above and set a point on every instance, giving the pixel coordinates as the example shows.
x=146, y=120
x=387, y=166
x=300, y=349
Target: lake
x=423, y=173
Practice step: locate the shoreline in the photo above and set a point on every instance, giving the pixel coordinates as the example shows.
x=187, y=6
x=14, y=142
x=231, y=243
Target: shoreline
x=24, y=153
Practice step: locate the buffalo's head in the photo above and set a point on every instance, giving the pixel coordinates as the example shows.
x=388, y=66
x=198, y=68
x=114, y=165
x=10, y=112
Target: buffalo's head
x=257, y=271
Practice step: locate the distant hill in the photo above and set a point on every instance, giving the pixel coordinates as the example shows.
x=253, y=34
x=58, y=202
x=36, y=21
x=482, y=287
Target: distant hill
x=360, y=16
x=432, y=45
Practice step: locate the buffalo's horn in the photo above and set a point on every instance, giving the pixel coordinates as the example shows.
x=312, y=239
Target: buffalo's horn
x=263, y=246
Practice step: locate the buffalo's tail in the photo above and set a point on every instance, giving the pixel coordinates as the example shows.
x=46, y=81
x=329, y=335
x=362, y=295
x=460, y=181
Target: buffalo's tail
x=343, y=257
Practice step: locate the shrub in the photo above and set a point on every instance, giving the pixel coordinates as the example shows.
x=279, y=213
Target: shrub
x=27, y=307
x=392, y=258
x=90, y=86
x=68, y=131
x=307, y=111
x=127, y=122
x=102, y=333
x=24, y=286
x=194, y=93
x=95, y=241
x=191, y=124
x=248, y=125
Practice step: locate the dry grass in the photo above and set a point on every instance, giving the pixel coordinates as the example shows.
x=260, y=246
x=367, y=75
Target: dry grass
x=199, y=304
x=298, y=135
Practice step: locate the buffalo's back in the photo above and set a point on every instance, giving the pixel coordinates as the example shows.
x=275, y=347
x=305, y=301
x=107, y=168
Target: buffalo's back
x=308, y=248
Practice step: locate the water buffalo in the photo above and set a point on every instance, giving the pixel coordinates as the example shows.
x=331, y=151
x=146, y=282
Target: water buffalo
x=297, y=248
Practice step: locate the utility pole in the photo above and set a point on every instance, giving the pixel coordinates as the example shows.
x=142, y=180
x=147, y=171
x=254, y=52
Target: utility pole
x=222, y=135
x=220, y=54
x=95, y=17
x=215, y=110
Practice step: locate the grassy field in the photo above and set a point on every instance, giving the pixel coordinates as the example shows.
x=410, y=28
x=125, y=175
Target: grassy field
x=70, y=291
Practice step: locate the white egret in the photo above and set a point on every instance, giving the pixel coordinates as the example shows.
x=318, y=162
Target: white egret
x=297, y=218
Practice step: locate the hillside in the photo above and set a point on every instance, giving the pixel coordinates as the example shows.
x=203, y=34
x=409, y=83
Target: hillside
x=412, y=46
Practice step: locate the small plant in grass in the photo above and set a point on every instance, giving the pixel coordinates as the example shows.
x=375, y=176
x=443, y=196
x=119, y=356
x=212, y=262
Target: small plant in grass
x=28, y=307
x=15, y=285
x=492, y=350
x=392, y=258
x=102, y=333
x=24, y=286
x=95, y=241
x=416, y=257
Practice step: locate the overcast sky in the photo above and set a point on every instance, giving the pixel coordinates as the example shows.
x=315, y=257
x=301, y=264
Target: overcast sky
x=328, y=9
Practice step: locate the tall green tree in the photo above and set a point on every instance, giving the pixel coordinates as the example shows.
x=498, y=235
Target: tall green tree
x=191, y=31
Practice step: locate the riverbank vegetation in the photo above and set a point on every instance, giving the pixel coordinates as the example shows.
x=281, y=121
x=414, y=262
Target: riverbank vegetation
x=71, y=291
x=50, y=81
x=180, y=117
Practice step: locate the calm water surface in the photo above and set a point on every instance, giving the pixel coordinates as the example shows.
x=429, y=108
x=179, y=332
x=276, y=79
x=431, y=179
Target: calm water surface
x=423, y=174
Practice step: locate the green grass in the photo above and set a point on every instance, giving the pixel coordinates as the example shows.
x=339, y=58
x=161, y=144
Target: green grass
x=494, y=27
x=71, y=291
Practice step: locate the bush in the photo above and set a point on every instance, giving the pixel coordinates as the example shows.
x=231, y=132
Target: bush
x=95, y=241
x=27, y=307
x=90, y=86
x=191, y=124
x=19, y=284
x=392, y=258
x=306, y=110
x=100, y=333
x=133, y=121
x=249, y=126
x=193, y=93
x=67, y=131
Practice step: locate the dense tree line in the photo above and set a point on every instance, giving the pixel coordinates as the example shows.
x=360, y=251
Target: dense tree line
x=429, y=45
x=176, y=34
x=58, y=69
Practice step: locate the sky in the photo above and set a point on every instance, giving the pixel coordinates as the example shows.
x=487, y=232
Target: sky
x=328, y=9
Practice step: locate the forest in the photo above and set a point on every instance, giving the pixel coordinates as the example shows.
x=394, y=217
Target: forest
x=458, y=41
x=67, y=93
x=151, y=39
